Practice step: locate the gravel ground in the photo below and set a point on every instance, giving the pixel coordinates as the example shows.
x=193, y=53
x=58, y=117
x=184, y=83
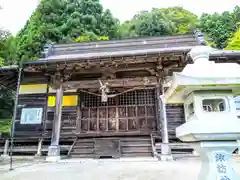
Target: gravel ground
x=124, y=169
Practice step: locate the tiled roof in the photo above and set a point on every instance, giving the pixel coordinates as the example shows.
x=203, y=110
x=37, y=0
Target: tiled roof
x=125, y=47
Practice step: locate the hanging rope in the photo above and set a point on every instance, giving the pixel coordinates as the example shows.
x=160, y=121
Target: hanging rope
x=117, y=94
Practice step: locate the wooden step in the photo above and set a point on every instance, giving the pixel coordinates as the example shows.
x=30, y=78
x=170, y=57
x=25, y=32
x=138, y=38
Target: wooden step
x=83, y=147
x=82, y=151
x=107, y=147
x=114, y=146
x=80, y=148
x=136, y=145
x=82, y=156
x=137, y=155
x=84, y=143
x=135, y=139
x=176, y=146
x=136, y=150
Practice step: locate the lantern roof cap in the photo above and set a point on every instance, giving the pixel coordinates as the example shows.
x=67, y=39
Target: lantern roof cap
x=203, y=75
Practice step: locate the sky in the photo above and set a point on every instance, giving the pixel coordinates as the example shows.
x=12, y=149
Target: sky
x=15, y=13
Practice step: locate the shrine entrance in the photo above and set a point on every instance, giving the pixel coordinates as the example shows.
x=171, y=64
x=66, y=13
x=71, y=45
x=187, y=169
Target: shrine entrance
x=131, y=111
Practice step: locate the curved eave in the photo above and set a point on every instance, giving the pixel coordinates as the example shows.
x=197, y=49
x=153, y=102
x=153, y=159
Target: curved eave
x=226, y=53
x=182, y=85
x=225, y=56
x=97, y=56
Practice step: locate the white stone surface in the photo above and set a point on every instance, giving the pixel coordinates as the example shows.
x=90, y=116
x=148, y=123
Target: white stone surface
x=197, y=130
x=53, y=158
x=126, y=169
x=201, y=81
x=203, y=72
x=216, y=160
x=168, y=157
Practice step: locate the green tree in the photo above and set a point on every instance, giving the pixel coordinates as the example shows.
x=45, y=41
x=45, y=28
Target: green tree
x=184, y=20
x=219, y=27
x=59, y=21
x=234, y=42
x=236, y=16
x=90, y=36
x=152, y=23
x=7, y=48
x=158, y=22
x=10, y=56
x=3, y=38
x=127, y=29
x=6, y=100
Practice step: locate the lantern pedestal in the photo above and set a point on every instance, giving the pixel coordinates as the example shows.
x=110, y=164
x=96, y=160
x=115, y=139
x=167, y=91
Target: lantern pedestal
x=216, y=157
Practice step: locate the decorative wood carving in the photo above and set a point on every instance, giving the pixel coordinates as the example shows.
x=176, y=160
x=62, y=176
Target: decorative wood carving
x=112, y=61
x=125, y=82
x=56, y=80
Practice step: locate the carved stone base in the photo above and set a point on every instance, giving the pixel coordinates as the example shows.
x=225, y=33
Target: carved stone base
x=194, y=153
x=53, y=154
x=166, y=153
x=166, y=157
x=38, y=157
x=5, y=156
x=53, y=158
x=216, y=160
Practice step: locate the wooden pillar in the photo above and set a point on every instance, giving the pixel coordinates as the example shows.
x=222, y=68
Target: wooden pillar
x=78, y=120
x=57, y=116
x=54, y=149
x=158, y=108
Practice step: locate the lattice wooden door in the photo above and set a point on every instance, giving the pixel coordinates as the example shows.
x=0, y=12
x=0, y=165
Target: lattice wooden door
x=132, y=111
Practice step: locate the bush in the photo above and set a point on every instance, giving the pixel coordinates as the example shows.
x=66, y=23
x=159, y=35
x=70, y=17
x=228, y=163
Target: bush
x=5, y=125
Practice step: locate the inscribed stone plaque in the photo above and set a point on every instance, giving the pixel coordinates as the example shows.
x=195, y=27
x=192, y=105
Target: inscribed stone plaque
x=224, y=172
x=31, y=116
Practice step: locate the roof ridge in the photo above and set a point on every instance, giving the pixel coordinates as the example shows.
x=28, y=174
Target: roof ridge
x=49, y=48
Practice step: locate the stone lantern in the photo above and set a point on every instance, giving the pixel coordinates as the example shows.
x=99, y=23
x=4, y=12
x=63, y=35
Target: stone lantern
x=207, y=90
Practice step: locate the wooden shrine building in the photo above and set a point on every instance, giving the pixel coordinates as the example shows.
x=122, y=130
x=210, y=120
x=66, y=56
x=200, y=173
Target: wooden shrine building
x=101, y=98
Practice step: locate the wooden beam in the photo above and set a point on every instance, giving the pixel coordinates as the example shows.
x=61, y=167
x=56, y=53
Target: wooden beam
x=125, y=82
x=77, y=69
x=153, y=58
